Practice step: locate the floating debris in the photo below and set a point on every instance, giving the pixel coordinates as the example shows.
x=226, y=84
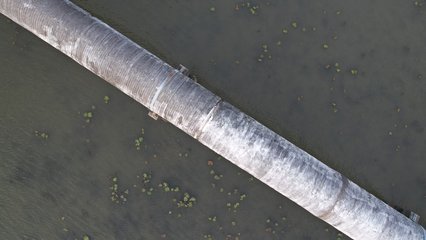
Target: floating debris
x=354, y=72
x=294, y=24
x=325, y=46
x=212, y=9
x=86, y=237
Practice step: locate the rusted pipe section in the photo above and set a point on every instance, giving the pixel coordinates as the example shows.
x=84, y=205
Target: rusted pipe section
x=217, y=124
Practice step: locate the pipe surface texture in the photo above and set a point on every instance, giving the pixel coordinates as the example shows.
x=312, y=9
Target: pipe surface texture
x=223, y=128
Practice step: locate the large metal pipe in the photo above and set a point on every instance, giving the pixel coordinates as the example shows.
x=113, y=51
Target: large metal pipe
x=223, y=128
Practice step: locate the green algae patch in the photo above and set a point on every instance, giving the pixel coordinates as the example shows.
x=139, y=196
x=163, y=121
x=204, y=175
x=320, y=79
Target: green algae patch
x=42, y=135
x=139, y=140
x=106, y=99
x=88, y=116
x=118, y=196
x=186, y=201
x=166, y=187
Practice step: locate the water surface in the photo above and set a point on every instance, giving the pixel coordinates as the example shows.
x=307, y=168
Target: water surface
x=343, y=80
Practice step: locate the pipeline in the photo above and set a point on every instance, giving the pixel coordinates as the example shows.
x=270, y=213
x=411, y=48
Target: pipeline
x=223, y=128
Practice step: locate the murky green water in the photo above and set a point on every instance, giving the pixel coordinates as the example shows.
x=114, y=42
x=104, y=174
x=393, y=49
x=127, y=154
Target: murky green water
x=344, y=80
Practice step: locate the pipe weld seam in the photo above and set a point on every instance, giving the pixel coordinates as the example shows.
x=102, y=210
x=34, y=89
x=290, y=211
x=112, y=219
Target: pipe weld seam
x=160, y=88
x=327, y=213
x=209, y=117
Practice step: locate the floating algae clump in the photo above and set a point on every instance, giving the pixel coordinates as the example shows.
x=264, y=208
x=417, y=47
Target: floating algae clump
x=88, y=116
x=139, y=140
x=168, y=188
x=116, y=195
x=42, y=135
x=187, y=201
x=106, y=99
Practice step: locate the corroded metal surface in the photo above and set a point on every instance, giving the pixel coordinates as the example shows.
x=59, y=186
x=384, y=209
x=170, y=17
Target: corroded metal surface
x=215, y=123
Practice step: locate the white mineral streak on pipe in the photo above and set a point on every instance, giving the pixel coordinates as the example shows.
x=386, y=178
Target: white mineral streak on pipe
x=218, y=125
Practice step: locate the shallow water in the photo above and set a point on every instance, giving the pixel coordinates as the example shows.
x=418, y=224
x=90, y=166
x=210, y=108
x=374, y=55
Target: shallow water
x=347, y=83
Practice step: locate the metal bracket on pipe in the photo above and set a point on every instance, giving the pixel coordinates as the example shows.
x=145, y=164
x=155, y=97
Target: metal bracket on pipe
x=153, y=115
x=183, y=70
x=414, y=217
x=408, y=213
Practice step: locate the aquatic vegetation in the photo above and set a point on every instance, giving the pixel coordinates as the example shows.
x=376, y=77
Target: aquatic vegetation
x=216, y=176
x=325, y=46
x=337, y=67
x=42, y=135
x=116, y=195
x=139, y=140
x=271, y=226
x=168, y=188
x=251, y=7
x=212, y=219
x=354, y=71
x=106, y=99
x=212, y=9
x=148, y=191
x=418, y=3
x=88, y=116
x=86, y=237
x=264, y=53
x=146, y=177
x=187, y=201
x=208, y=237
x=294, y=24
x=334, y=107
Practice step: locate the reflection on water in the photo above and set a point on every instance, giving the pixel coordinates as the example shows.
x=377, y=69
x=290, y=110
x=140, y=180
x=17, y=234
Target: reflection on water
x=343, y=80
